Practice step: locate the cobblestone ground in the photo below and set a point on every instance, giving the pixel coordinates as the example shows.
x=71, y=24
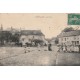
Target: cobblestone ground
x=32, y=56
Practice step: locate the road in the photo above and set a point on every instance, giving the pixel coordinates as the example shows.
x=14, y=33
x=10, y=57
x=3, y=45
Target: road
x=32, y=56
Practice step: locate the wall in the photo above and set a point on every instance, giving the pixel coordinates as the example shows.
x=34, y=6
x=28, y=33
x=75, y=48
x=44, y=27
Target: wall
x=68, y=40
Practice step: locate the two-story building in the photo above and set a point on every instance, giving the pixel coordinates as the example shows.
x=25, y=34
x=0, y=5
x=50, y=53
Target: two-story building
x=70, y=39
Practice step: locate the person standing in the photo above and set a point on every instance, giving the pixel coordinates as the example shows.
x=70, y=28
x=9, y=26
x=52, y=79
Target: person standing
x=49, y=46
x=79, y=48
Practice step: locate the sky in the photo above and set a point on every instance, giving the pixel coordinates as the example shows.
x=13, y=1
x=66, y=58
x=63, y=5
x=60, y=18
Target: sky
x=50, y=24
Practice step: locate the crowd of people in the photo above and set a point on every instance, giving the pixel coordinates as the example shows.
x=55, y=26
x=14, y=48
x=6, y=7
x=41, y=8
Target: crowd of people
x=69, y=48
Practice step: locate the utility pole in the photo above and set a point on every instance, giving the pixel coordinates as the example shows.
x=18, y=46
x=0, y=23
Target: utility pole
x=1, y=38
x=1, y=27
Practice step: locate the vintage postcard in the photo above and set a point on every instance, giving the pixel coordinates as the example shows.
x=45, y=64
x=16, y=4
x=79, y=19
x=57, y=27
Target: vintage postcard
x=39, y=39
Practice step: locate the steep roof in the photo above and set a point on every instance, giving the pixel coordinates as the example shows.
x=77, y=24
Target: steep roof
x=70, y=33
x=32, y=32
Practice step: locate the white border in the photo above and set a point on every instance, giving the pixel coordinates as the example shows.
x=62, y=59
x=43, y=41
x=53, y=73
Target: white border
x=39, y=73
x=39, y=6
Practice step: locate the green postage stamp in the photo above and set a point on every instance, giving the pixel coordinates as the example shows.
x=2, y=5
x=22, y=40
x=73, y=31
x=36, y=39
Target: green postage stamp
x=73, y=19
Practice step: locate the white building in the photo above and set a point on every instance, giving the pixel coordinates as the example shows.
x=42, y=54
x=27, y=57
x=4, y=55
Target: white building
x=29, y=36
x=69, y=38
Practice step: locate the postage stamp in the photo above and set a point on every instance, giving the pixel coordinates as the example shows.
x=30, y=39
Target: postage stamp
x=73, y=19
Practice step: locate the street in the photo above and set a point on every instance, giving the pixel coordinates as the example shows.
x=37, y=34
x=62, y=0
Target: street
x=37, y=56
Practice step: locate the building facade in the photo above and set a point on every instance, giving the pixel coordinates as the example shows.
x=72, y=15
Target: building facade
x=34, y=37
x=70, y=41
x=69, y=38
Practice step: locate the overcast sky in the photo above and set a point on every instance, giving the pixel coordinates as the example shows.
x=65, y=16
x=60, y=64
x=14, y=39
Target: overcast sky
x=50, y=24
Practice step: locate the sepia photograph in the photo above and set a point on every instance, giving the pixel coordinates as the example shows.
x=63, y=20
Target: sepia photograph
x=39, y=39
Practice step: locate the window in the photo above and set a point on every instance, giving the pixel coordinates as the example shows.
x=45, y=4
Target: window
x=73, y=42
x=77, y=42
x=22, y=39
x=65, y=39
x=33, y=37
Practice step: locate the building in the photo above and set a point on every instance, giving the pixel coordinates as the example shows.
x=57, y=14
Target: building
x=69, y=38
x=54, y=41
x=32, y=37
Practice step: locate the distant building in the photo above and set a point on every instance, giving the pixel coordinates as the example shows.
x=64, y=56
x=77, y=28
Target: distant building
x=32, y=37
x=53, y=41
x=69, y=38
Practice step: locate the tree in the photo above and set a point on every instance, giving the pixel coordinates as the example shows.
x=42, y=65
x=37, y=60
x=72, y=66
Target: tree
x=68, y=29
x=5, y=36
x=15, y=38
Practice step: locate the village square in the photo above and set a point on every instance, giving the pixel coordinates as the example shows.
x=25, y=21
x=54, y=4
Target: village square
x=30, y=47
